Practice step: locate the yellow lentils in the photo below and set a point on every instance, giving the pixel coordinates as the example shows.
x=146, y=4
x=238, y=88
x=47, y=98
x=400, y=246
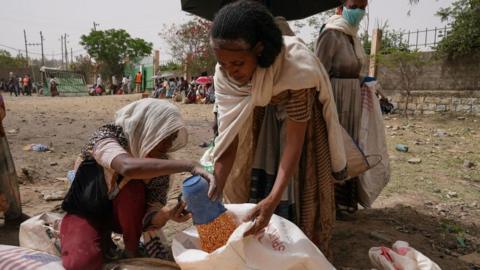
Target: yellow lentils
x=216, y=233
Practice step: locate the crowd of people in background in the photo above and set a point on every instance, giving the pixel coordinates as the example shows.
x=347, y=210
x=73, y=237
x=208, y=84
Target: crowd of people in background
x=19, y=85
x=176, y=88
x=114, y=86
x=180, y=90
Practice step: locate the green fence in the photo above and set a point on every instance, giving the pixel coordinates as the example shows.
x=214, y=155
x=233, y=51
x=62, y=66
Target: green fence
x=69, y=83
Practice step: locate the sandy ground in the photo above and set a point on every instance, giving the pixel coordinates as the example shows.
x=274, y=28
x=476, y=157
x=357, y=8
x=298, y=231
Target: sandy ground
x=434, y=205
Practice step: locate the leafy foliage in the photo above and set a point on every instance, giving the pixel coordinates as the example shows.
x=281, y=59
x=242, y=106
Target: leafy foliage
x=464, y=38
x=7, y=60
x=190, y=44
x=314, y=23
x=392, y=40
x=113, y=48
x=83, y=65
x=408, y=65
x=171, y=66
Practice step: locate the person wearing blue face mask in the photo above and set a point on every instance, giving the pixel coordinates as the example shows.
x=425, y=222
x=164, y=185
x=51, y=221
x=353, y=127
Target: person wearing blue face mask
x=343, y=56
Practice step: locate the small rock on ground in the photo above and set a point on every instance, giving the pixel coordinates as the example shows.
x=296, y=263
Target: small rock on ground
x=467, y=164
x=414, y=161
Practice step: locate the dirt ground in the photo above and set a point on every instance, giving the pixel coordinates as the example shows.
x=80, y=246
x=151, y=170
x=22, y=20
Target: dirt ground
x=434, y=205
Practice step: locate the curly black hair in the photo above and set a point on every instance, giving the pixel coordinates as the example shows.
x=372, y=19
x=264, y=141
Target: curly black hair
x=251, y=22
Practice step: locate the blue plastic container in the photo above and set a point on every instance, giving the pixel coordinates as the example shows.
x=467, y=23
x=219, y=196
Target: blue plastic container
x=195, y=194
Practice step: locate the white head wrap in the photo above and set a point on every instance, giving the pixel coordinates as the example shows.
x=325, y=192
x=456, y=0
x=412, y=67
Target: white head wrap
x=149, y=121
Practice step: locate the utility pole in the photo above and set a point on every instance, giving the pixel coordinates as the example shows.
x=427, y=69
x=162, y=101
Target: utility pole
x=375, y=48
x=95, y=26
x=61, y=40
x=26, y=45
x=41, y=44
x=66, y=51
x=71, y=56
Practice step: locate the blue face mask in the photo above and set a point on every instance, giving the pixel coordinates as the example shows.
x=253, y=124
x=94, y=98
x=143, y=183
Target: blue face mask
x=353, y=16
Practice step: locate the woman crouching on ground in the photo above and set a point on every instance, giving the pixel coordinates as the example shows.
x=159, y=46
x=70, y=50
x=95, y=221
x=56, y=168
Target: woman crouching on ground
x=134, y=173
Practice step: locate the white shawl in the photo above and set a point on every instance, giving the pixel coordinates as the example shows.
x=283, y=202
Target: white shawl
x=337, y=22
x=149, y=121
x=296, y=68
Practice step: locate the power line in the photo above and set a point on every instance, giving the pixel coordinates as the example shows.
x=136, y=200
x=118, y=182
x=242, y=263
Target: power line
x=75, y=51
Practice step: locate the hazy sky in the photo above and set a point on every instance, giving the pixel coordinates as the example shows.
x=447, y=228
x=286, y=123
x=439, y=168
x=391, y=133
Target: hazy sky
x=144, y=19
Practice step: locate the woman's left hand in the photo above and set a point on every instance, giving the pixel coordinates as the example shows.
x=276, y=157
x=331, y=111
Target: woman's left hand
x=179, y=214
x=261, y=215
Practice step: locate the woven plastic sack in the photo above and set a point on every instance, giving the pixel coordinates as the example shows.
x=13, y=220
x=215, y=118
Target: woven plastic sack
x=282, y=246
x=18, y=258
x=42, y=233
x=400, y=257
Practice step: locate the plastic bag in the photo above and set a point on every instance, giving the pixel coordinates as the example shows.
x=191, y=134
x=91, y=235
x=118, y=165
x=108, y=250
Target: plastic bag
x=401, y=257
x=281, y=246
x=88, y=194
x=372, y=141
x=42, y=233
x=207, y=160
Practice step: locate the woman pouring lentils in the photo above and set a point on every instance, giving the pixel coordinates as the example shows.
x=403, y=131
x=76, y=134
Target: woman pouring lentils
x=279, y=142
x=341, y=53
x=128, y=159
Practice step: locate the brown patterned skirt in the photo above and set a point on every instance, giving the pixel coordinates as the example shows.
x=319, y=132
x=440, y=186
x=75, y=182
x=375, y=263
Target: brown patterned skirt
x=313, y=185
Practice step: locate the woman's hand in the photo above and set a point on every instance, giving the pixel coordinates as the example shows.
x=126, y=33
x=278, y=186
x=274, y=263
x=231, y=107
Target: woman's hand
x=199, y=170
x=214, y=192
x=290, y=157
x=179, y=214
x=215, y=189
x=161, y=218
x=261, y=215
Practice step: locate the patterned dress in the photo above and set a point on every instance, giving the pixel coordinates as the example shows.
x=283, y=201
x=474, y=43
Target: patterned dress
x=9, y=192
x=156, y=193
x=309, y=199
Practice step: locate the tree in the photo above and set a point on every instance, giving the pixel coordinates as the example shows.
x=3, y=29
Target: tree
x=112, y=48
x=408, y=65
x=392, y=41
x=464, y=37
x=314, y=23
x=190, y=44
x=171, y=66
x=8, y=61
x=83, y=65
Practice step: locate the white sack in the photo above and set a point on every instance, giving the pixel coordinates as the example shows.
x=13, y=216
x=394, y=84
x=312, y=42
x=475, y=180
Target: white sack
x=283, y=246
